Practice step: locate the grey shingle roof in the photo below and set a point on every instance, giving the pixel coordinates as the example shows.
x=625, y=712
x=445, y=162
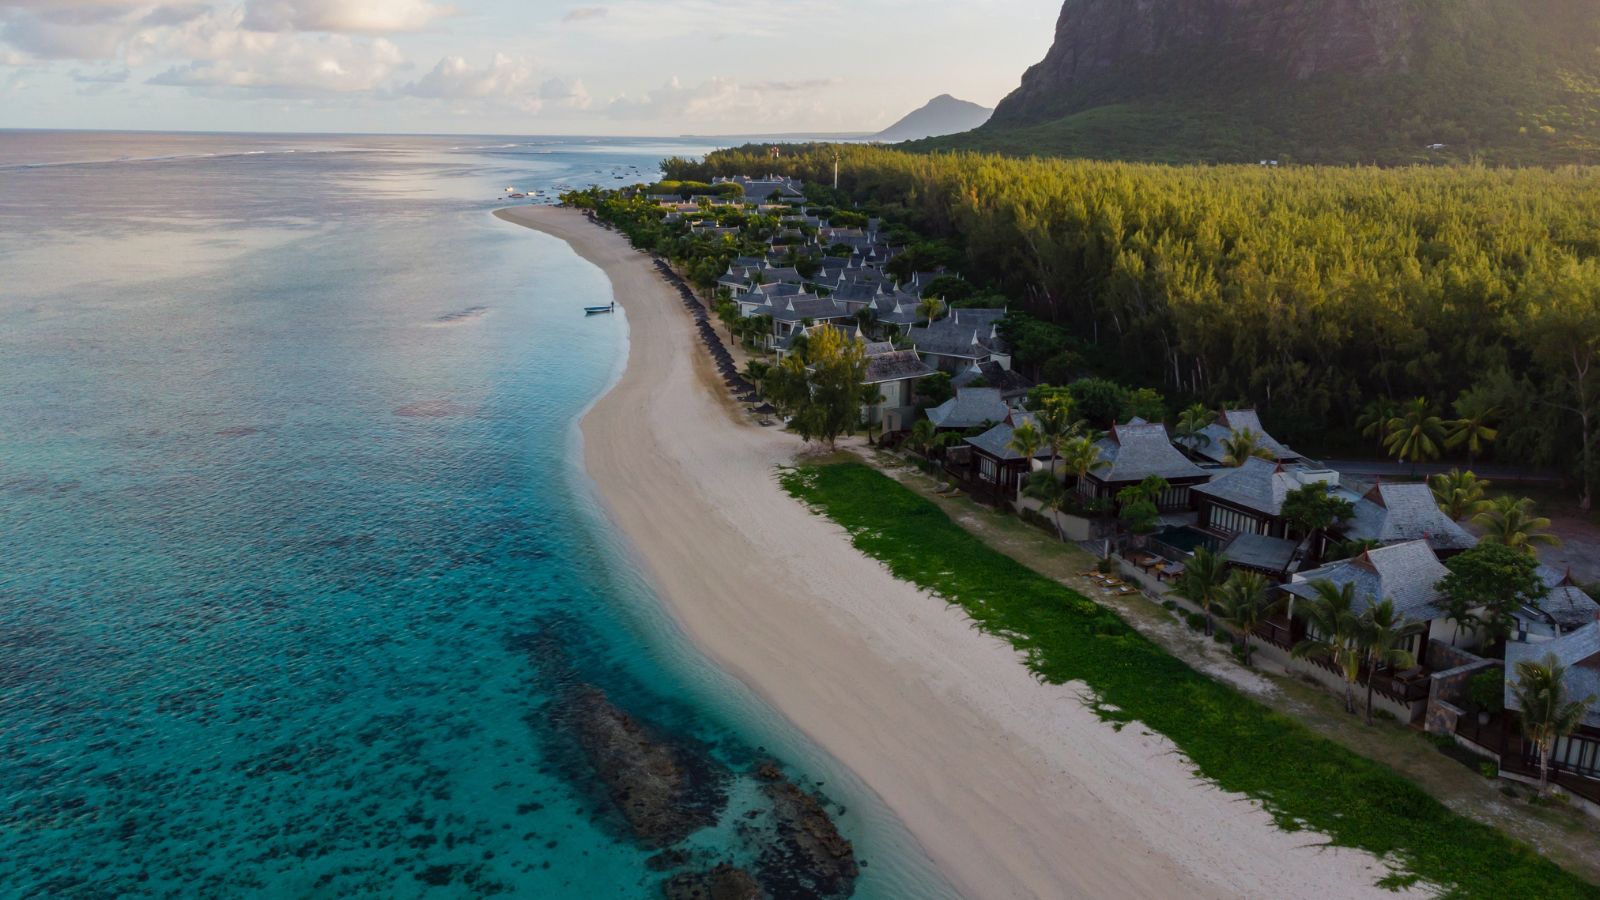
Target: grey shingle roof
x=1390, y=513
x=896, y=365
x=996, y=441
x=1260, y=485
x=1405, y=573
x=1579, y=652
x=969, y=408
x=943, y=338
x=1011, y=384
x=1257, y=551
x=1140, y=449
x=1233, y=420
x=798, y=309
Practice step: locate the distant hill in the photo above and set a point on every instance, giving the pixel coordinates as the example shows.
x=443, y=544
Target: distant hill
x=1340, y=81
x=943, y=115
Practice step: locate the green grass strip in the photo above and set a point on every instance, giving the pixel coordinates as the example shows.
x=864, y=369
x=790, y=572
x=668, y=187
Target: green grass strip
x=1304, y=780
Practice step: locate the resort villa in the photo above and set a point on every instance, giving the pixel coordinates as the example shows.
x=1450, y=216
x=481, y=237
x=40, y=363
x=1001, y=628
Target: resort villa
x=996, y=463
x=1135, y=451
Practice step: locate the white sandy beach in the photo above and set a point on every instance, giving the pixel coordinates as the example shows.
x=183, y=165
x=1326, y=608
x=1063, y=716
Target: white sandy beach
x=1012, y=787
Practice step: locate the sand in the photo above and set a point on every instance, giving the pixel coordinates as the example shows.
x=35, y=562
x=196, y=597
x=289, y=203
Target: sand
x=1012, y=787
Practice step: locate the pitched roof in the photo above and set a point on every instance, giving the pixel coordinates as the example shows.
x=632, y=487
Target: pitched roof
x=1406, y=573
x=945, y=338
x=1258, y=551
x=895, y=365
x=1140, y=449
x=1390, y=513
x=970, y=408
x=1232, y=420
x=1261, y=486
x=1567, y=603
x=997, y=441
x=1010, y=383
x=1578, y=652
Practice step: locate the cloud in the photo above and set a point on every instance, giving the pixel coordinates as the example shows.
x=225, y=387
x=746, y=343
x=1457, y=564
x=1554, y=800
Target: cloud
x=455, y=79
x=279, y=63
x=720, y=99
x=343, y=16
x=586, y=13
x=108, y=76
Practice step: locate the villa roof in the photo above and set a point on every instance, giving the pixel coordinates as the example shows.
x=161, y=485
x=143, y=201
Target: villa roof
x=1578, y=652
x=800, y=308
x=1261, y=486
x=1258, y=551
x=943, y=338
x=970, y=408
x=1140, y=449
x=996, y=441
x=1011, y=384
x=1567, y=604
x=1406, y=573
x=1232, y=420
x=895, y=365
x=1390, y=513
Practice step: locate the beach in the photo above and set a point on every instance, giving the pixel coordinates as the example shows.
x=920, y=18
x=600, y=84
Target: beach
x=1013, y=788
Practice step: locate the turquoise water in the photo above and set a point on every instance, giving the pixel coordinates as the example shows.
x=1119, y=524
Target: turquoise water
x=299, y=564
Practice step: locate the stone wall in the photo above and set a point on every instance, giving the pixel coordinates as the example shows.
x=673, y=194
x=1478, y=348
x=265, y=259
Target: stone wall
x=1447, y=695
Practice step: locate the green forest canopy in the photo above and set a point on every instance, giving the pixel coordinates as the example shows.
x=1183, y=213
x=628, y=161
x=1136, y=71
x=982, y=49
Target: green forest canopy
x=1307, y=292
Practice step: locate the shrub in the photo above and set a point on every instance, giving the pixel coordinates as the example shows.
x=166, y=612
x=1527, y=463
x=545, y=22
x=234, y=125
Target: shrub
x=1384, y=714
x=1487, y=690
x=1490, y=769
x=1169, y=605
x=1222, y=635
x=1197, y=622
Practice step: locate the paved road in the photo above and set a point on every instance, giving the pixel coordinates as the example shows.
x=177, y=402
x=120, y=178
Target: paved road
x=1388, y=468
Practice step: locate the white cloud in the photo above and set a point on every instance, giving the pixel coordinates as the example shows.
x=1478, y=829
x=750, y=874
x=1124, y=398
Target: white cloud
x=586, y=13
x=343, y=16
x=455, y=79
x=221, y=54
x=721, y=99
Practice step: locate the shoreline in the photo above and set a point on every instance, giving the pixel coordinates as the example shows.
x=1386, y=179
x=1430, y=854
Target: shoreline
x=1013, y=788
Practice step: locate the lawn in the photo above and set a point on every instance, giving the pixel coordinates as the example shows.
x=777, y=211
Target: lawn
x=1303, y=779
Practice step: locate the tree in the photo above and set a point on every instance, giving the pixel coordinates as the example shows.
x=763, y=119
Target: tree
x=1562, y=333
x=1511, y=522
x=1082, y=458
x=872, y=396
x=1055, y=426
x=1384, y=635
x=1337, y=629
x=922, y=436
x=1052, y=495
x=1244, y=601
x=1201, y=582
x=1191, y=426
x=1488, y=584
x=823, y=391
x=1375, y=418
x=1415, y=434
x=1312, y=509
x=1026, y=440
x=1145, y=403
x=1459, y=494
x=1242, y=446
x=1548, y=714
x=1473, y=425
x=1100, y=401
x=935, y=389
x=930, y=309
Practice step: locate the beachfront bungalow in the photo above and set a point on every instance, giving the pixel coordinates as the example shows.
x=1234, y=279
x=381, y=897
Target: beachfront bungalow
x=1577, y=758
x=1135, y=451
x=1407, y=573
x=1232, y=421
x=970, y=408
x=1395, y=513
x=1013, y=385
x=894, y=374
x=1249, y=499
x=995, y=464
x=1564, y=610
x=1275, y=557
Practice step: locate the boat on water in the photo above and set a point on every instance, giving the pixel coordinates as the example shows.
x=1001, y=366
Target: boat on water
x=599, y=310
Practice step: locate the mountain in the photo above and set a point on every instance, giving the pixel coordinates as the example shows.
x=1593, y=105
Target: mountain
x=1382, y=81
x=943, y=115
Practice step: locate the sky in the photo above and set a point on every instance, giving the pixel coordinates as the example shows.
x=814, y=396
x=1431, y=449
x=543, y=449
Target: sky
x=594, y=67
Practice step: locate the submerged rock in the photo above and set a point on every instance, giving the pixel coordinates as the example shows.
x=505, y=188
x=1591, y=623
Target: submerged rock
x=808, y=857
x=722, y=883
x=664, y=792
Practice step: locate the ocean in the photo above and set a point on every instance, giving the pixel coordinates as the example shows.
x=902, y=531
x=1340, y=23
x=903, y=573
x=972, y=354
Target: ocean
x=305, y=592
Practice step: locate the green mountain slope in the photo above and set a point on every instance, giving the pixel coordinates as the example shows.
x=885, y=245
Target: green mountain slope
x=1336, y=81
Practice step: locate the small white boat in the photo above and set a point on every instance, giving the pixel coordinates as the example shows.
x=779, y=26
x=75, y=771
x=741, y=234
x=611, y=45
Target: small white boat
x=599, y=310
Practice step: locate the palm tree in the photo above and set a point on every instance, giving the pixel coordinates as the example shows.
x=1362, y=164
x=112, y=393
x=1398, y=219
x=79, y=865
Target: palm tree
x=1244, y=601
x=1190, y=430
x=1332, y=617
x=1052, y=495
x=1055, y=426
x=1240, y=446
x=1025, y=440
x=1511, y=521
x=1547, y=713
x=922, y=436
x=1472, y=425
x=1082, y=457
x=1374, y=420
x=1415, y=433
x=930, y=308
x=1383, y=632
x=871, y=397
x=1201, y=582
x=1459, y=494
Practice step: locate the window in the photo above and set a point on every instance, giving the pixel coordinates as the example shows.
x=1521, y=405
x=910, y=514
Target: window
x=1580, y=754
x=987, y=467
x=1233, y=521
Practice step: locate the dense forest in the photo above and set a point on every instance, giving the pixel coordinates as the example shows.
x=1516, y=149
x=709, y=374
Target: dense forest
x=1315, y=294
